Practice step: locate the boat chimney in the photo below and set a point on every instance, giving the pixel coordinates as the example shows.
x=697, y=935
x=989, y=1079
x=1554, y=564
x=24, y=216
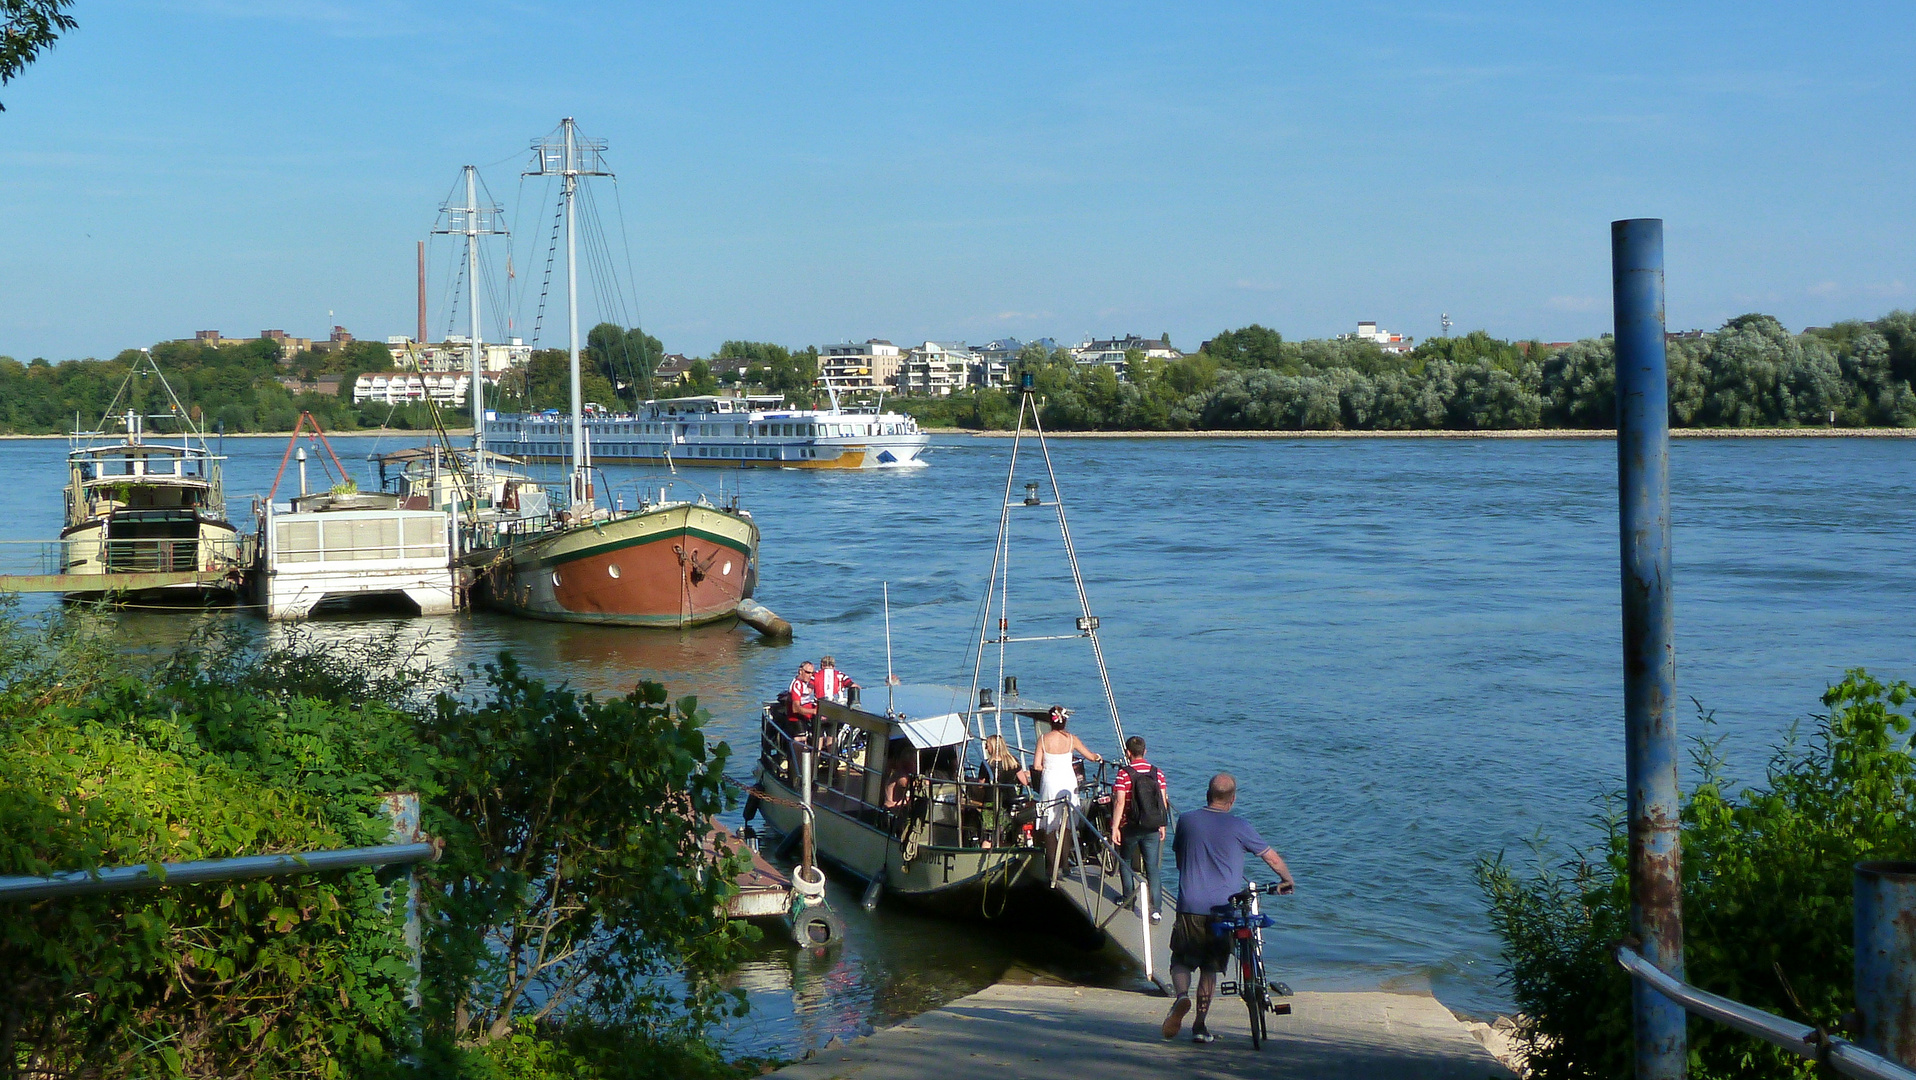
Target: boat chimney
x=302, y=472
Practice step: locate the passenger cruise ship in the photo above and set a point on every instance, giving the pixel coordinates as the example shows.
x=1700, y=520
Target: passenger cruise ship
x=736, y=432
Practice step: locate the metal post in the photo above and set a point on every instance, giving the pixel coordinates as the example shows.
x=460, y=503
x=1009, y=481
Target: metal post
x=302, y=470
x=1145, y=903
x=1886, y=958
x=1649, y=654
x=403, y=809
x=806, y=764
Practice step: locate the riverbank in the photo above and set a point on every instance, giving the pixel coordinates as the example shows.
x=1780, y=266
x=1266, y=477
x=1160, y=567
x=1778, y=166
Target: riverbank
x=1018, y=1029
x=1521, y=433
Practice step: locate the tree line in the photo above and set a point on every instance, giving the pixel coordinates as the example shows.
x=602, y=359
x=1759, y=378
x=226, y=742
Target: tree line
x=233, y=388
x=1751, y=372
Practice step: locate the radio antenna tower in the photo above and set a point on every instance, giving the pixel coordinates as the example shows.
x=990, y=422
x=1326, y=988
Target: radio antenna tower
x=571, y=156
x=472, y=221
x=1444, y=321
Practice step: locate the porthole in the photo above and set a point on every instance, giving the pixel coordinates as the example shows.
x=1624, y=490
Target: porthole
x=612, y=570
x=555, y=579
x=727, y=568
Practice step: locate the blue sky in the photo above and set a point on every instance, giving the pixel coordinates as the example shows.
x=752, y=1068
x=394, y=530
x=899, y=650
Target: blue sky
x=805, y=174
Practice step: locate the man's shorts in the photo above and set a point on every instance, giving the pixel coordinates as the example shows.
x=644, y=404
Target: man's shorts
x=1195, y=948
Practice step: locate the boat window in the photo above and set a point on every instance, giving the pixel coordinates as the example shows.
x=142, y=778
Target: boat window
x=738, y=429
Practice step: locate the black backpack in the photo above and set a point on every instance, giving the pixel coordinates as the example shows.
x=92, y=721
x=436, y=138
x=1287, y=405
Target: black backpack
x=1145, y=808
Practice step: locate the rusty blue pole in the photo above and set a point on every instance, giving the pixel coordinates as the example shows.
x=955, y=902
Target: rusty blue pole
x=1649, y=651
x=1886, y=958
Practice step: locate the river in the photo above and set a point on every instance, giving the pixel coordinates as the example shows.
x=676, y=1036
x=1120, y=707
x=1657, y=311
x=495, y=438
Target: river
x=1406, y=650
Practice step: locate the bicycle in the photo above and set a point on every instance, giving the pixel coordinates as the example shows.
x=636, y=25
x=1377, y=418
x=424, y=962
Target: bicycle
x=1241, y=919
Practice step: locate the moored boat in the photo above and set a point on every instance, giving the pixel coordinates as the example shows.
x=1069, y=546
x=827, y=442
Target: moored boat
x=956, y=839
x=923, y=800
x=668, y=563
x=138, y=505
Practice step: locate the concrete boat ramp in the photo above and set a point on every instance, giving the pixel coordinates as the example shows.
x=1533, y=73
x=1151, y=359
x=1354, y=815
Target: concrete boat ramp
x=1048, y=1030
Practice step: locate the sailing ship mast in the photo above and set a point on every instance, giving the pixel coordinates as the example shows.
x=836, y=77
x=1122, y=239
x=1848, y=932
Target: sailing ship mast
x=571, y=157
x=472, y=221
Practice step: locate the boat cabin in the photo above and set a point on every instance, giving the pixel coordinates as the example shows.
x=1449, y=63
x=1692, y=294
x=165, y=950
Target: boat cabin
x=910, y=769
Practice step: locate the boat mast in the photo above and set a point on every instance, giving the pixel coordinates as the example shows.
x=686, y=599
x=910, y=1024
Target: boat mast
x=571, y=157
x=473, y=221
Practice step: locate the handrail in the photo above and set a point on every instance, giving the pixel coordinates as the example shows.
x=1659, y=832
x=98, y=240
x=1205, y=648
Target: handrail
x=1798, y=1038
x=123, y=878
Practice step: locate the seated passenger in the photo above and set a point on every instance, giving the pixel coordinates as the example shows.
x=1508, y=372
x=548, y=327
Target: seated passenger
x=899, y=770
x=831, y=684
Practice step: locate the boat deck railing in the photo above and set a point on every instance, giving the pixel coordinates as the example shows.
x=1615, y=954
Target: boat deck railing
x=961, y=811
x=164, y=555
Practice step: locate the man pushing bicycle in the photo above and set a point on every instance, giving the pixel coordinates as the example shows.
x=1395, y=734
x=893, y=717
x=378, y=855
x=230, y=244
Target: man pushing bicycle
x=1211, y=845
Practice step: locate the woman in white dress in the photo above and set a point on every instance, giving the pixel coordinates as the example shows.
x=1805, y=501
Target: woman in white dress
x=1057, y=784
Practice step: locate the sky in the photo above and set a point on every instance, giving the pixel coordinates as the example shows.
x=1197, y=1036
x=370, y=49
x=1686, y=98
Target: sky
x=807, y=173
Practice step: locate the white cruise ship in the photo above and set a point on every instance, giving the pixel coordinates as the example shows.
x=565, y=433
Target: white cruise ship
x=729, y=432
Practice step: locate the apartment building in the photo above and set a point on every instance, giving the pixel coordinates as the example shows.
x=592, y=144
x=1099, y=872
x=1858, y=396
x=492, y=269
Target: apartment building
x=935, y=369
x=872, y=364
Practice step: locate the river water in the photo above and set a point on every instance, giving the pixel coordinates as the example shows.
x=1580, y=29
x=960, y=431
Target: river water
x=1406, y=649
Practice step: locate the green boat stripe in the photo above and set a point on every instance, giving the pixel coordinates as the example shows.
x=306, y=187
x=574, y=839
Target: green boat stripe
x=637, y=541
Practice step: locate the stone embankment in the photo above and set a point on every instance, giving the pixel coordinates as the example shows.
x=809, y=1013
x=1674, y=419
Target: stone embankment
x=1045, y=1030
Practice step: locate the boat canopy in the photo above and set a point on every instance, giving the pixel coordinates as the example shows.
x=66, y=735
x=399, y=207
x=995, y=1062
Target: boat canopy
x=930, y=732
x=930, y=716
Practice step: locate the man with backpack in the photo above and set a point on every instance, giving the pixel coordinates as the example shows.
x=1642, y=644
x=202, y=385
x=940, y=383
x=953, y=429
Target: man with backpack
x=1140, y=809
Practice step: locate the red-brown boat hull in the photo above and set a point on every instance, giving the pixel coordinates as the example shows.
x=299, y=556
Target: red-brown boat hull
x=673, y=567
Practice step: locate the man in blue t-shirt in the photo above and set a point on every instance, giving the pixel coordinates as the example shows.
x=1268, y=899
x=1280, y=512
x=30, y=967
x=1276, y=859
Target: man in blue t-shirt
x=1211, y=845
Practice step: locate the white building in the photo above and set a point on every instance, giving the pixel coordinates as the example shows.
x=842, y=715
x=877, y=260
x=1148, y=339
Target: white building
x=1111, y=351
x=1383, y=339
x=449, y=388
x=869, y=365
x=455, y=353
x=935, y=369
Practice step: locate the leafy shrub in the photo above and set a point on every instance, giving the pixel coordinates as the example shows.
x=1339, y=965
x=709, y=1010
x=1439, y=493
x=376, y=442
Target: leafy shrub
x=300, y=976
x=1766, y=896
x=572, y=926
x=576, y=882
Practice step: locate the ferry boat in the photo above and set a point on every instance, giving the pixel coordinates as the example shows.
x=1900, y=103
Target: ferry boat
x=908, y=797
x=960, y=841
x=137, y=504
x=743, y=432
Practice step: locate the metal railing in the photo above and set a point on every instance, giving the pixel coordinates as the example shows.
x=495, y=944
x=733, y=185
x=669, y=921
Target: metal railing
x=126, y=878
x=1798, y=1038
x=212, y=554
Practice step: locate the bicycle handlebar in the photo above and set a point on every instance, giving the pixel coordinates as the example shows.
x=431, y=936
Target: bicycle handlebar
x=1278, y=889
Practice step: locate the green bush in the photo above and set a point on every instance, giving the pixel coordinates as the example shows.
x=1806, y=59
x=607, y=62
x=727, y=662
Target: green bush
x=576, y=882
x=1766, y=896
x=572, y=926
x=279, y=977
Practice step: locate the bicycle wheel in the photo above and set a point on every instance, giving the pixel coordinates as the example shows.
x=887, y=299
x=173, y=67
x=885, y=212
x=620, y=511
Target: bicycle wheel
x=1250, y=979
